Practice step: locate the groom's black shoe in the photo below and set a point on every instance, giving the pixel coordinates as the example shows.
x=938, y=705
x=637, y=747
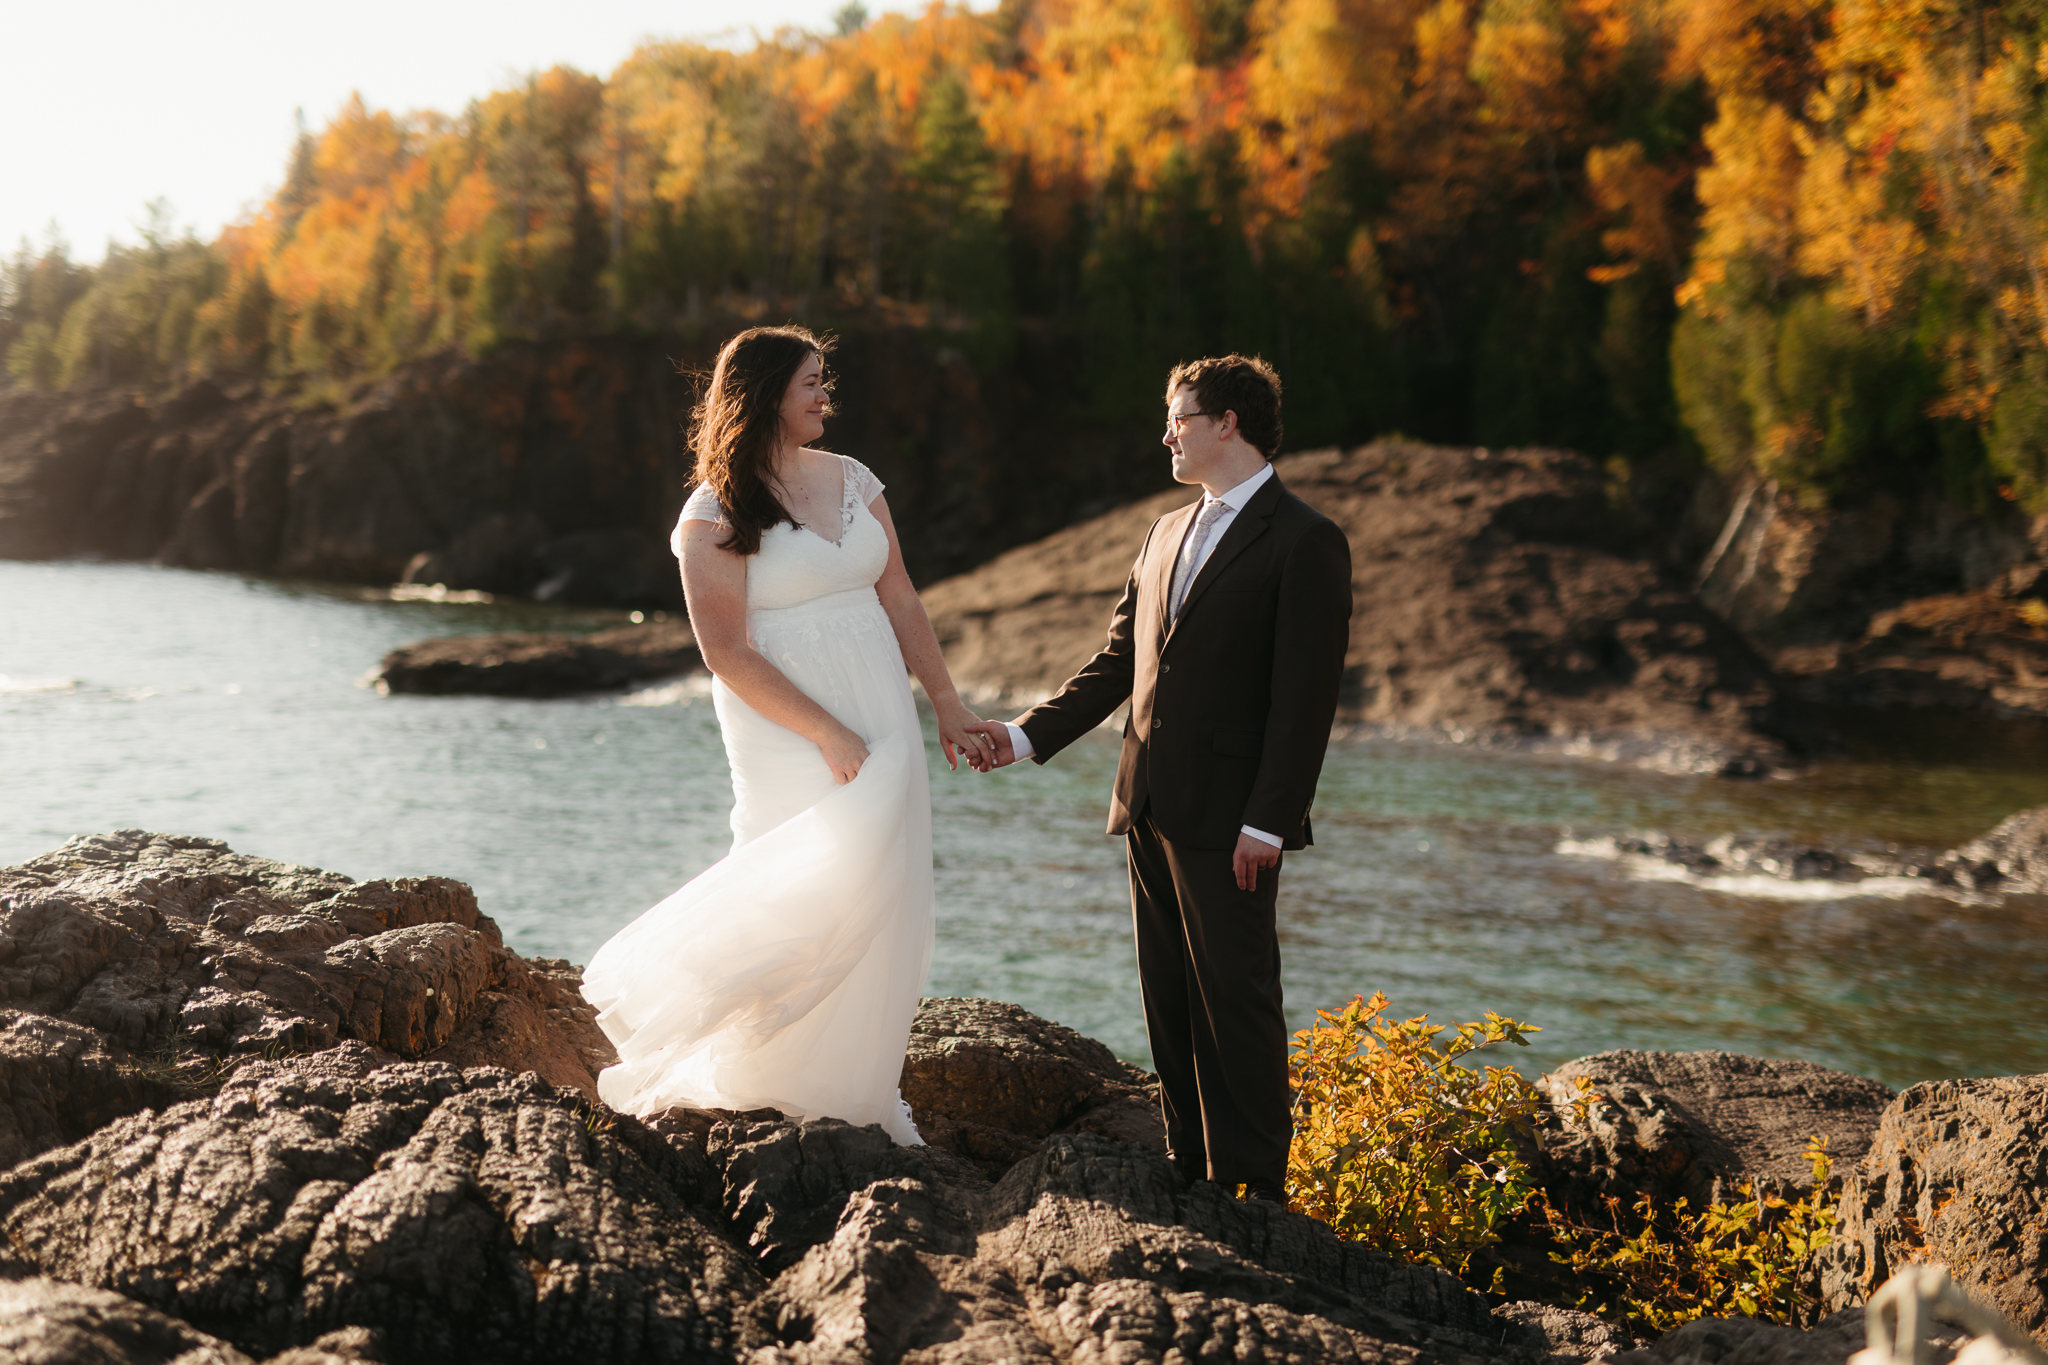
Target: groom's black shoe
x=1264, y=1191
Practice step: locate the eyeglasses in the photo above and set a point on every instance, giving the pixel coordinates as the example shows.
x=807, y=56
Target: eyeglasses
x=1177, y=420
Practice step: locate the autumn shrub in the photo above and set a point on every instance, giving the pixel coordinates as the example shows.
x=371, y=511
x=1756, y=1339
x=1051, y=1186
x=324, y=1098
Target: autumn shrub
x=1398, y=1143
x=1665, y=1266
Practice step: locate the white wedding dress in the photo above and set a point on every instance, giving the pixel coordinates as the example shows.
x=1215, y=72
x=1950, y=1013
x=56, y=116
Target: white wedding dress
x=785, y=976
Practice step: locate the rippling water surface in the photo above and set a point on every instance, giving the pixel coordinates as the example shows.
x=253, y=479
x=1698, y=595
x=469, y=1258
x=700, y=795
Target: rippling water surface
x=230, y=707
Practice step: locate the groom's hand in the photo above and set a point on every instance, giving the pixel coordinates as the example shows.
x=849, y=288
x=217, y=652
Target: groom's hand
x=1251, y=855
x=998, y=735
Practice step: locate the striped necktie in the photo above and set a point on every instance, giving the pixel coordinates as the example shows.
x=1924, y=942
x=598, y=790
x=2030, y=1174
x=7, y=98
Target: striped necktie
x=1191, y=554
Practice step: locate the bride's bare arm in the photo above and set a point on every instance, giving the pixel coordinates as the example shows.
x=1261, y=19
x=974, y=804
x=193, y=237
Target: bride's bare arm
x=715, y=585
x=920, y=645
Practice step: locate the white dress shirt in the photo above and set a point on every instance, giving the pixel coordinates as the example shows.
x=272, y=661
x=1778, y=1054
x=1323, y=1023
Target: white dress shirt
x=1233, y=502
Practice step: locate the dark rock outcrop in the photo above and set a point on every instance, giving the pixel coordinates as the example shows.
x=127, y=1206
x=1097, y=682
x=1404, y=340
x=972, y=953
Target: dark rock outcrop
x=2011, y=859
x=59, y=1081
x=1788, y=572
x=1957, y=1174
x=137, y=967
x=1091, y=1249
x=1496, y=596
x=1568, y=1333
x=48, y=1322
x=583, y=437
x=514, y=554
x=473, y=1216
x=1697, y=1125
x=1974, y=652
x=990, y=1081
x=466, y=1216
x=549, y=469
x=537, y=665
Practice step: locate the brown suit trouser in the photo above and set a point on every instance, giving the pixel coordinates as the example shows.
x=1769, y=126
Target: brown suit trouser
x=1209, y=962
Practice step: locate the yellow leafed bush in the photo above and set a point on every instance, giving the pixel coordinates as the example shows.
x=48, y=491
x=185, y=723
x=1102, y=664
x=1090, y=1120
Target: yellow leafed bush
x=1752, y=1257
x=1397, y=1143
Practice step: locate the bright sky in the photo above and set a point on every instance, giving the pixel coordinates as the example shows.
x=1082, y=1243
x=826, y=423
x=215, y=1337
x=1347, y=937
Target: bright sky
x=105, y=106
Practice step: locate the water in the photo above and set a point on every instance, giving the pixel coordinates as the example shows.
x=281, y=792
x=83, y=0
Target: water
x=230, y=707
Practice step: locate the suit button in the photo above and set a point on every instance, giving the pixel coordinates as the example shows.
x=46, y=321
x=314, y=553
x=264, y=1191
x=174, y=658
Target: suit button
x=1166, y=668
x=1155, y=722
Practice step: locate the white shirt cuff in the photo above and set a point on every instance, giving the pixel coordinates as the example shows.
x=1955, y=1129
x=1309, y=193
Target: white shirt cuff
x=1264, y=837
x=1020, y=746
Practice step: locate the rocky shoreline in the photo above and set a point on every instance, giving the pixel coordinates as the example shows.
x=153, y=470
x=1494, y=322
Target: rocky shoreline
x=257, y=1111
x=1505, y=596
x=1501, y=600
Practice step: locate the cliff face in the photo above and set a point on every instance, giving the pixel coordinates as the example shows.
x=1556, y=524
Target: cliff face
x=580, y=439
x=1882, y=603
x=552, y=470
x=1495, y=594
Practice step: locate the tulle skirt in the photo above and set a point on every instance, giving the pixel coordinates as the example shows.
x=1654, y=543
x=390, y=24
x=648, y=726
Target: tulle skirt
x=786, y=975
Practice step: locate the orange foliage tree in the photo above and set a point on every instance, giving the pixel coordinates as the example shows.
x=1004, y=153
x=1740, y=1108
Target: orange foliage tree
x=1869, y=298
x=1814, y=230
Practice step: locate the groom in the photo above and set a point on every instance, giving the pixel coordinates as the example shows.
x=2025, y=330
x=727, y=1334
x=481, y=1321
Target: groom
x=1229, y=645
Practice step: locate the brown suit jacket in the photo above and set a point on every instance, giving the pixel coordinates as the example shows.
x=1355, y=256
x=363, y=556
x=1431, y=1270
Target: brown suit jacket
x=1231, y=705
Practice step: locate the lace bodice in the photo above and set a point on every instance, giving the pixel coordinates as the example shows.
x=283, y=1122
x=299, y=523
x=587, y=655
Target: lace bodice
x=796, y=564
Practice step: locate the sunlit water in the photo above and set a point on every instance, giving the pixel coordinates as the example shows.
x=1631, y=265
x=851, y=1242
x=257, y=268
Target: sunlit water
x=1445, y=876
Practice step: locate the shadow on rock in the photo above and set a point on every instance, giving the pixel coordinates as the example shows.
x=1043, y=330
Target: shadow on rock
x=466, y=1216
x=140, y=969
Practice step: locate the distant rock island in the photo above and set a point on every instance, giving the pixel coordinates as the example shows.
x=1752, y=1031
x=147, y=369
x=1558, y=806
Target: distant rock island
x=538, y=664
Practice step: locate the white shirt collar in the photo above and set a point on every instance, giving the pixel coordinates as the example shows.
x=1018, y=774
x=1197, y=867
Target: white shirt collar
x=1237, y=497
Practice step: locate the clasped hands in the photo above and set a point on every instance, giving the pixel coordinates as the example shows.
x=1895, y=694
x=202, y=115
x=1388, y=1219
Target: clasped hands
x=962, y=735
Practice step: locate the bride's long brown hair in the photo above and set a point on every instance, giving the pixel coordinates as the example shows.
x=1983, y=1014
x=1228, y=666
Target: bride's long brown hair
x=737, y=426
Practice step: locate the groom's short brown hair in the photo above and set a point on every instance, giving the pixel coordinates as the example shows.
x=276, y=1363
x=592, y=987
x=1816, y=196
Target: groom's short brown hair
x=1243, y=384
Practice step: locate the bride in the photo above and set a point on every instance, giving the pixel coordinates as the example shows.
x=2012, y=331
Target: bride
x=786, y=975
